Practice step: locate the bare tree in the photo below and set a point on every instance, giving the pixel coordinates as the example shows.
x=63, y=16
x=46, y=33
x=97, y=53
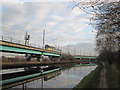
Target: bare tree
x=106, y=21
x=108, y=27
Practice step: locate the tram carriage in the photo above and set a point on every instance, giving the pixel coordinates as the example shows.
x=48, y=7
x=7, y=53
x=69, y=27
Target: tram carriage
x=51, y=48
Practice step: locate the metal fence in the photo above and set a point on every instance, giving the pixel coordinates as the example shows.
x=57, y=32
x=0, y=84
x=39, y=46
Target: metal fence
x=12, y=40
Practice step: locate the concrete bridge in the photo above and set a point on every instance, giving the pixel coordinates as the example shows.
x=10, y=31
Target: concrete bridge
x=86, y=59
x=35, y=52
x=30, y=51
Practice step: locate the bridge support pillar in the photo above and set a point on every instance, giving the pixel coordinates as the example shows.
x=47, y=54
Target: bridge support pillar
x=38, y=57
x=28, y=57
x=54, y=58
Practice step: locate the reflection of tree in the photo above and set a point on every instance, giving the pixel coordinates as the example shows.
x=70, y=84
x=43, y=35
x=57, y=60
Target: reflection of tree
x=106, y=20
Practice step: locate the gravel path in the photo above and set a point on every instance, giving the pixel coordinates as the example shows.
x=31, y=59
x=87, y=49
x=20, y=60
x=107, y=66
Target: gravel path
x=103, y=83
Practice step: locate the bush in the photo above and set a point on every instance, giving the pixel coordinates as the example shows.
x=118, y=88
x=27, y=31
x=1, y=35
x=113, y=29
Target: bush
x=112, y=76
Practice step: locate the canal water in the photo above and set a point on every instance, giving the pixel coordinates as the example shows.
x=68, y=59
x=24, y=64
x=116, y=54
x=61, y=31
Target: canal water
x=68, y=78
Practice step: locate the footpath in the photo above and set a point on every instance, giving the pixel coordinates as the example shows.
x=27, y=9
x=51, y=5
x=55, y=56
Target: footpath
x=103, y=83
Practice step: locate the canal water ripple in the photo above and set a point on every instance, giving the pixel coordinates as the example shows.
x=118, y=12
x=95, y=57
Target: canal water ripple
x=68, y=78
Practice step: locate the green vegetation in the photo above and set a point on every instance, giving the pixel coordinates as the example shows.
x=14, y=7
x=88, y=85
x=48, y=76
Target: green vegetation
x=112, y=76
x=91, y=80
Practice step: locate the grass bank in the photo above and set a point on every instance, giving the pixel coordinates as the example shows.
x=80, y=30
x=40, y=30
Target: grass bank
x=91, y=80
x=112, y=76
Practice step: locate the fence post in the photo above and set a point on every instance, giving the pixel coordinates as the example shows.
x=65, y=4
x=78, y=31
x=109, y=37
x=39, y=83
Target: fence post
x=2, y=38
x=11, y=39
x=18, y=41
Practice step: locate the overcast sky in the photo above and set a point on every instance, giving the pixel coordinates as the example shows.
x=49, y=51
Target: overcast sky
x=63, y=25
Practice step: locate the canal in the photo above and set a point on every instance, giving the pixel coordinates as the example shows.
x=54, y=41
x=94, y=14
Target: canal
x=68, y=78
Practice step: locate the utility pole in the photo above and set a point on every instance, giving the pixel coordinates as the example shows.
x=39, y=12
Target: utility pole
x=68, y=50
x=27, y=38
x=43, y=38
x=84, y=52
x=74, y=51
x=80, y=52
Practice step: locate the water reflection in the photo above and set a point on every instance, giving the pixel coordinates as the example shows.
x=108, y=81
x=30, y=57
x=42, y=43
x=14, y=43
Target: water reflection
x=68, y=78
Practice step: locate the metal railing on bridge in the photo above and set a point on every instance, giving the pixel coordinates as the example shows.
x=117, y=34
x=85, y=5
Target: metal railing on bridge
x=12, y=40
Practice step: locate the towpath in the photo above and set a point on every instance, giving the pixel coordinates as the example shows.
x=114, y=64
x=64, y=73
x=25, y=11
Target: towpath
x=103, y=83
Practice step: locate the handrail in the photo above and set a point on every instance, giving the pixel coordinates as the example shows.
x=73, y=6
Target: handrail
x=12, y=40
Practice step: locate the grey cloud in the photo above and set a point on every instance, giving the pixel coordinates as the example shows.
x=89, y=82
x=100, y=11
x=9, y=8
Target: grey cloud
x=35, y=17
x=80, y=48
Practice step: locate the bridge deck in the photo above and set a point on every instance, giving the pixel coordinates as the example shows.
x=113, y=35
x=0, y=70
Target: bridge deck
x=19, y=48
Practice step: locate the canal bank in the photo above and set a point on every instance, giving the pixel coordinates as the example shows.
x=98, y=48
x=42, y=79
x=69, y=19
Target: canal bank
x=104, y=76
x=91, y=80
